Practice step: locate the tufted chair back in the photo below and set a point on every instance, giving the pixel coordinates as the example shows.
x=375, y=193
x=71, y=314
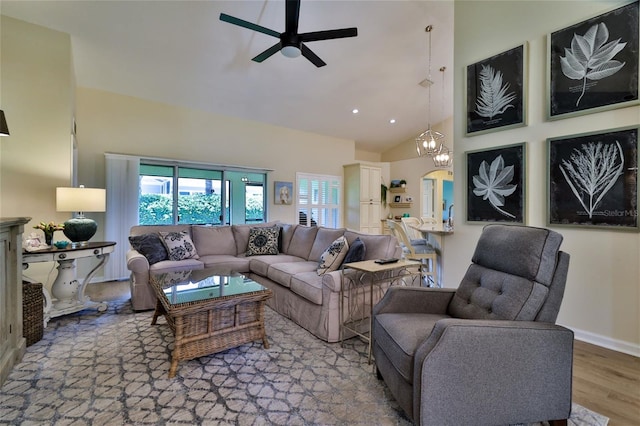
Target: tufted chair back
x=517, y=273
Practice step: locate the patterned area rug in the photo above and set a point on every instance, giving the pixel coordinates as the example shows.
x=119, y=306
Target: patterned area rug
x=111, y=369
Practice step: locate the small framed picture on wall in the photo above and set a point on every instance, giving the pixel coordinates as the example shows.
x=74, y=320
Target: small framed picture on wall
x=496, y=92
x=283, y=193
x=496, y=184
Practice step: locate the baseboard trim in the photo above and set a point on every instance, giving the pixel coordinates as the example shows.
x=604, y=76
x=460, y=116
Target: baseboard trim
x=607, y=342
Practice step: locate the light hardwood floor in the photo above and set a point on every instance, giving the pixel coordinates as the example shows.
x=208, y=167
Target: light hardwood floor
x=604, y=381
x=607, y=382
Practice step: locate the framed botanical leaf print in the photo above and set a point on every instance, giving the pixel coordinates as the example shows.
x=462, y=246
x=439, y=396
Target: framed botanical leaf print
x=593, y=179
x=496, y=92
x=496, y=184
x=593, y=65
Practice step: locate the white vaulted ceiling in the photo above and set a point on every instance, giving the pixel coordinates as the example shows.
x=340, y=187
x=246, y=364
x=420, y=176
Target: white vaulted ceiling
x=180, y=53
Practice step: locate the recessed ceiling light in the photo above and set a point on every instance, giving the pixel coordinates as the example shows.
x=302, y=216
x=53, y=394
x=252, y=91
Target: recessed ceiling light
x=355, y=111
x=392, y=121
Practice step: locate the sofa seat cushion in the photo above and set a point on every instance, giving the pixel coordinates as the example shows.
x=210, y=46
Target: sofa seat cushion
x=260, y=264
x=175, y=265
x=282, y=273
x=226, y=263
x=308, y=285
x=398, y=335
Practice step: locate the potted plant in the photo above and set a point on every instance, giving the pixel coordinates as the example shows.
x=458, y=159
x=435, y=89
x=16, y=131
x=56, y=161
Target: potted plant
x=383, y=194
x=403, y=183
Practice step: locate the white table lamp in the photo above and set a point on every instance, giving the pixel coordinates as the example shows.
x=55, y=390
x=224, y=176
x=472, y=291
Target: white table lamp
x=80, y=229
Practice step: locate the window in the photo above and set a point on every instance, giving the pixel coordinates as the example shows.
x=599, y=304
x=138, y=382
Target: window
x=318, y=200
x=254, y=202
x=177, y=194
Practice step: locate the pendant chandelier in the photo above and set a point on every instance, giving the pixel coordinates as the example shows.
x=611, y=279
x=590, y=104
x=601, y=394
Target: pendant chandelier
x=442, y=157
x=427, y=141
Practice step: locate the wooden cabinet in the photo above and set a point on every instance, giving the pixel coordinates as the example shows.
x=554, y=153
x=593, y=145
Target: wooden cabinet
x=362, y=201
x=12, y=343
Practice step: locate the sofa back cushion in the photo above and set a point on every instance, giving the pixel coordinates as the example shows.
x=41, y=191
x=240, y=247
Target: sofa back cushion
x=378, y=246
x=241, y=234
x=214, y=240
x=146, y=229
x=324, y=238
x=302, y=241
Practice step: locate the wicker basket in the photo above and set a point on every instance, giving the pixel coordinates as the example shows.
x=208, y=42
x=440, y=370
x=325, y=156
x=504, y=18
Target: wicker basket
x=32, y=312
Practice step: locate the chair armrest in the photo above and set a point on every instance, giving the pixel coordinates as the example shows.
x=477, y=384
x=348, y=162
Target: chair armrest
x=424, y=300
x=491, y=371
x=136, y=262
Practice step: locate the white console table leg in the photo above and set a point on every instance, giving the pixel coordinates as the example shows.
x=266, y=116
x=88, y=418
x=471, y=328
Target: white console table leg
x=67, y=293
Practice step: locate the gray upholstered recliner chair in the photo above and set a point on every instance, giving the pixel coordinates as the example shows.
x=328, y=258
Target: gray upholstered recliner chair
x=489, y=352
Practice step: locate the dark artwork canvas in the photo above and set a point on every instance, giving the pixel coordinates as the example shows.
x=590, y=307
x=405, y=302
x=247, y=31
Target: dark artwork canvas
x=496, y=184
x=594, y=64
x=593, y=179
x=495, y=92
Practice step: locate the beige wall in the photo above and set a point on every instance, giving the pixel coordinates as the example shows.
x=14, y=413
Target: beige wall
x=37, y=98
x=109, y=122
x=602, y=297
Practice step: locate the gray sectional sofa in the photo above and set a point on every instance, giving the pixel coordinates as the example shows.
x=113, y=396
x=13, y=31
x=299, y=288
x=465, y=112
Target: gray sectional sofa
x=299, y=292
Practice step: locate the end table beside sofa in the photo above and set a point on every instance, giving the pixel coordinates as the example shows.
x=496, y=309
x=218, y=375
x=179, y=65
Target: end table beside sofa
x=300, y=293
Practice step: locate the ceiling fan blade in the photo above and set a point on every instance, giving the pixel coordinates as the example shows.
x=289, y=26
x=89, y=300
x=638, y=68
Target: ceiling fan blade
x=329, y=34
x=270, y=51
x=307, y=53
x=242, y=23
x=292, y=13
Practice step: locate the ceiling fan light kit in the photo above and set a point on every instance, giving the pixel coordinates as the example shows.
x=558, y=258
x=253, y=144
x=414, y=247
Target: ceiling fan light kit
x=291, y=43
x=290, y=51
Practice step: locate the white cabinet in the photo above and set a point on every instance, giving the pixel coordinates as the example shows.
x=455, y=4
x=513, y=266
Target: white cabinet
x=12, y=343
x=370, y=180
x=362, y=202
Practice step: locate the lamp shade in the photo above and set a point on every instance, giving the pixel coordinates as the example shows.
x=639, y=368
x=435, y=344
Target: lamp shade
x=4, y=129
x=80, y=229
x=81, y=199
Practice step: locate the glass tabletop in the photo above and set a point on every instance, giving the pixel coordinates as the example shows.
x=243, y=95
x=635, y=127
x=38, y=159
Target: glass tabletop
x=197, y=285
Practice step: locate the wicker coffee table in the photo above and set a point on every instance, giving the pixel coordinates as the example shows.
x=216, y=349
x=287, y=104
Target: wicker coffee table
x=209, y=311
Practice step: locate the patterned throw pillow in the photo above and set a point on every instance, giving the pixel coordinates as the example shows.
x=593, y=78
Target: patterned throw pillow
x=263, y=240
x=179, y=245
x=150, y=246
x=332, y=257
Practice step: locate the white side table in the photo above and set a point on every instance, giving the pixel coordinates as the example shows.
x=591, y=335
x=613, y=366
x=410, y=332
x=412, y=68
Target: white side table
x=67, y=294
